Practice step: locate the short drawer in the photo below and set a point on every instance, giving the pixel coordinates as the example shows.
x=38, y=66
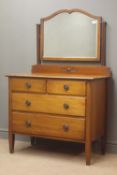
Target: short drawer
x=28, y=85
x=49, y=126
x=69, y=105
x=66, y=87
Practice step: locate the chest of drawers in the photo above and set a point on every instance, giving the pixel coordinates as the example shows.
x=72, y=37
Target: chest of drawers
x=58, y=107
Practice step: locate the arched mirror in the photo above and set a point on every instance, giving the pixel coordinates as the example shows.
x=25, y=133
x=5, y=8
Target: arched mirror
x=70, y=35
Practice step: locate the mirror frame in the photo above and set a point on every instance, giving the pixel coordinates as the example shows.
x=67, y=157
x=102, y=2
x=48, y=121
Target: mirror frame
x=95, y=59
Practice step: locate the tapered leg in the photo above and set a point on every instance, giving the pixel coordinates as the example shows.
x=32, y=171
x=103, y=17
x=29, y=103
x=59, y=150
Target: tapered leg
x=88, y=146
x=33, y=141
x=88, y=141
x=104, y=137
x=11, y=142
x=103, y=145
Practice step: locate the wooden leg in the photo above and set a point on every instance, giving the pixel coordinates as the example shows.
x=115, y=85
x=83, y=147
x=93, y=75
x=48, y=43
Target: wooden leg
x=11, y=142
x=104, y=137
x=88, y=141
x=88, y=152
x=33, y=141
x=103, y=145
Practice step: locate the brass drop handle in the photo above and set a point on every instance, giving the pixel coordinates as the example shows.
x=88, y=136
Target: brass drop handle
x=66, y=127
x=66, y=106
x=27, y=103
x=27, y=123
x=66, y=87
x=28, y=85
x=68, y=69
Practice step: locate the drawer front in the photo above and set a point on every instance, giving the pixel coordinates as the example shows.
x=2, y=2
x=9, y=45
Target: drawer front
x=66, y=87
x=49, y=104
x=49, y=126
x=28, y=85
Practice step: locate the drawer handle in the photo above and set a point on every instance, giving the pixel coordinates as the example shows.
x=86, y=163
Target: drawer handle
x=66, y=87
x=27, y=103
x=66, y=106
x=69, y=70
x=66, y=127
x=28, y=124
x=28, y=85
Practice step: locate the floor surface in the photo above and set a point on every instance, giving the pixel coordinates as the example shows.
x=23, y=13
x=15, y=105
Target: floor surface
x=53, y=159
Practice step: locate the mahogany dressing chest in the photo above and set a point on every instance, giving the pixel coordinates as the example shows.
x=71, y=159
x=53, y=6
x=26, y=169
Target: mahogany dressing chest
x=63, y=101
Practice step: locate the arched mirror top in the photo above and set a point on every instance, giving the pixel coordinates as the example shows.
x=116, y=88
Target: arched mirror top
x=70, y=35
x=70, y=11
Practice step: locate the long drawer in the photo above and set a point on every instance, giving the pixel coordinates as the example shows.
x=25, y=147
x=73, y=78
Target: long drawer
x=68, y=105
x=51, y=126
x=66, y=87
x=28, y=85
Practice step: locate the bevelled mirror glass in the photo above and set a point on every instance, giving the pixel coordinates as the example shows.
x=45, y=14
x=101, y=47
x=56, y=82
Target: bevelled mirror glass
x=70, y=35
